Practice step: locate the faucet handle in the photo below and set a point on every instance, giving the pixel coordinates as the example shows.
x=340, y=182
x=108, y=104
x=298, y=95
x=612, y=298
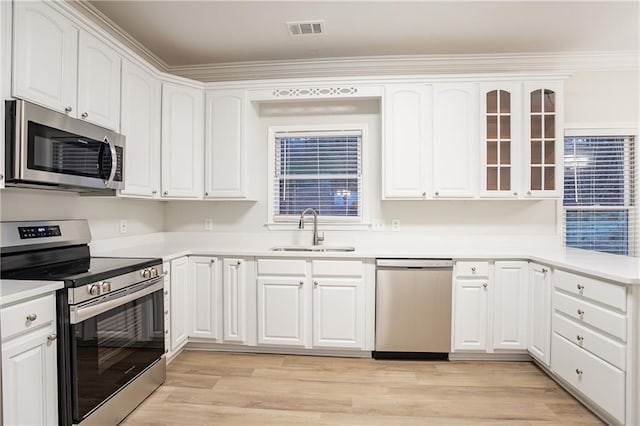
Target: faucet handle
x=320, y=237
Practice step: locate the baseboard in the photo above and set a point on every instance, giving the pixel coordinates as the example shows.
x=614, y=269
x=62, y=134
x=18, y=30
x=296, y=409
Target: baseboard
x=223, y=347
x=471, y=356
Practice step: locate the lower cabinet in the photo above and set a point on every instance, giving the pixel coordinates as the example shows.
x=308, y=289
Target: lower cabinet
x=539, y=341
x=29, y=369
x=236, y=300
x=282, y=313
x=510, y=310
x=205, y=294
x=470, y=314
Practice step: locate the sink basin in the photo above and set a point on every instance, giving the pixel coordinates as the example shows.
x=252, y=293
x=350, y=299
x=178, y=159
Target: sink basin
x=314, y=248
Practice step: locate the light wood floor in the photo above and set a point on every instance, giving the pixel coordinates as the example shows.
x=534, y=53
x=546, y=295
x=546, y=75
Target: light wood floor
x=252, y=389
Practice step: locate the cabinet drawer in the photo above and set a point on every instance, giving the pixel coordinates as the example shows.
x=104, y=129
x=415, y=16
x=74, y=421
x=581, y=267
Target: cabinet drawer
x=584, y=312
x=472, y=269
x=27, y=315
x=282, y=267
x=340, y=268
x=603, y=292
x=596, y=343
x=597, y=380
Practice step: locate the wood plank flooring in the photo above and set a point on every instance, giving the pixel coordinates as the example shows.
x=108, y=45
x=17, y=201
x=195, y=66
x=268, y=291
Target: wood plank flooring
x=214, y=388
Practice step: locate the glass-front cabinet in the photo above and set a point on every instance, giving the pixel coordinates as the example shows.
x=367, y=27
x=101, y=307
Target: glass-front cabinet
x=501, y=139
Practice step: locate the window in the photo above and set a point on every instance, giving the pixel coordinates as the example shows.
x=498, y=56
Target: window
x=319, y=169
x=599, y=194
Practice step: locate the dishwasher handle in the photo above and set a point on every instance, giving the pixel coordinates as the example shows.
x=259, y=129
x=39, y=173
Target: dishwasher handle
x=414, y=263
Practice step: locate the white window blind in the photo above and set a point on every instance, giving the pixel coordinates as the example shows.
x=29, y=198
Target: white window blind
x=321, y=170
x=599, y=194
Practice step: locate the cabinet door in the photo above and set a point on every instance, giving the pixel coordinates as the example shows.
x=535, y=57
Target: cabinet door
x=167, y=306
x=98, y=83
x=407, y=138
x=234, y=296
x=455, y=140
x=179, y=303
x=338, y=312
x=544, y=139
x=225, y=171
x=205, y=294
x=29, y=379
x=281, y=311
x=510, y=290
x=141, y=126
x=539, y=312
x=501, y=140
x=182, y=141
x=45, y=56
x=470, y=314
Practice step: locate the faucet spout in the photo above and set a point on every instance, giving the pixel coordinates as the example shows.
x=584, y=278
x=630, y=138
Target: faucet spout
x=316, y=239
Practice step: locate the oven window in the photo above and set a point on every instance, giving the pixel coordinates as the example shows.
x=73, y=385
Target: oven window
x=53, y=150
x=112, y=348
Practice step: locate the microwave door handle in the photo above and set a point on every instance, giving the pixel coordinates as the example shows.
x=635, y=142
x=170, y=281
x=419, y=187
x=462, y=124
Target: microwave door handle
x=114, y=162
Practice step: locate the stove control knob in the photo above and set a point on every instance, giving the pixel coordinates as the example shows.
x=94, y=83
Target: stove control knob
x=105, y=287
x=154, y=272
x=94, y=289
x=146, y=273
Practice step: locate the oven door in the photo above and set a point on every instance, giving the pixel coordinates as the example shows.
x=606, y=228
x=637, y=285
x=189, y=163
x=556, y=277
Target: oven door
x=113, y=339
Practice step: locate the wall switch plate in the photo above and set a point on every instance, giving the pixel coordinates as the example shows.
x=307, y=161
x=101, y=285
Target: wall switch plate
x=123, y=226
x=395, y=224
x=208, y=224
x=377, y=225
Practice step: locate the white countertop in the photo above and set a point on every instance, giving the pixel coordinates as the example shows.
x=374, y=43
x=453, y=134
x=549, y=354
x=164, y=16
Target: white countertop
x=622, y=269
x=12, y=291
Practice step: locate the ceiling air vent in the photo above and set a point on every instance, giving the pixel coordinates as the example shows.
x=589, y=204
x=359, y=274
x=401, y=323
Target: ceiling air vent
x=300, y=28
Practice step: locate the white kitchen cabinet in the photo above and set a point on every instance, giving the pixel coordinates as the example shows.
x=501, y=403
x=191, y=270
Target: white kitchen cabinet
x=98, y=82
x=182, y=141
x=455, y=140
x=235, y=297
x=141, y=125
x=5, y=73
x=470, y=314
x=544, y=136
x=510, y=307
x=166, y=270
x=502, y=165
x=29, y=368
x=407, y=125
x=539, y=312
x=225, y=144
x=282, y=310
x=205, y=293
x=179, y=305
x=45, y=56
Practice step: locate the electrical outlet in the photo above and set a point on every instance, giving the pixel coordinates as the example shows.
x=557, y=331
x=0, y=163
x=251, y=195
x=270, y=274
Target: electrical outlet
x=123, y=226
x=208, y=224
x=395, y=224
x=377, y=225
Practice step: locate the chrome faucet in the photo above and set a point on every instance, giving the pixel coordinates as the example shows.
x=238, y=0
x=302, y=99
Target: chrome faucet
x=317, y=239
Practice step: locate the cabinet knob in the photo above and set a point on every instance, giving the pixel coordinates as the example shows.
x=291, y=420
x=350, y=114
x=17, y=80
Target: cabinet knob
x=580, y=338
x=239, y=262
x=166, y=351
x=154, y=192
x=166, y=312
x=580, y=313
x=166, y=332
x=32, y=317
x=206, y=194
x=580, y=287
x=301, y=283
x=545, y=270
x=315, y=283
x=68, y=109
x=579, y=372
x=485, y=285
x=424, y=194
x=473, y=269
x=165, y=193
x=52, y=337
x=515, y=194
x=528, y=192
x=437, y=193
x=166, y=292
x=1, y=176
x=85, y=115
x=212, y=261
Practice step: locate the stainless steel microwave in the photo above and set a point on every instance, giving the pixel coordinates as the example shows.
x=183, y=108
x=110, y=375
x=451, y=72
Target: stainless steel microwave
x=47, y=149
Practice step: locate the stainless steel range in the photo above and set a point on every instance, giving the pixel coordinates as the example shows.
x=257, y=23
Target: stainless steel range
x=110, y=325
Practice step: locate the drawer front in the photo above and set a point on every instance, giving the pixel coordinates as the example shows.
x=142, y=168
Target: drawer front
x=603, y=292
x=282, y=267
x=584, y=312
x=27, y=315
x=597, y=380
x=472, y=269
x=608, y=349
x=337, y=268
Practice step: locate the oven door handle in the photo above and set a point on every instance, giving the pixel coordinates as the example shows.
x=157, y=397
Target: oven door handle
x=81, y=313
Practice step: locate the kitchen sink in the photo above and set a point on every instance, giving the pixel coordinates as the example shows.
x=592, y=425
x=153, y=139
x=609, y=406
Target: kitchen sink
x=314, y=248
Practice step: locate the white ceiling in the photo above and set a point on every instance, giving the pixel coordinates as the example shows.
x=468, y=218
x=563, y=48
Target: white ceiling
x=184, y=33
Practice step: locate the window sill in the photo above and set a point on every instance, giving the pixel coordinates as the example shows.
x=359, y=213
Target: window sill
x=327, y=226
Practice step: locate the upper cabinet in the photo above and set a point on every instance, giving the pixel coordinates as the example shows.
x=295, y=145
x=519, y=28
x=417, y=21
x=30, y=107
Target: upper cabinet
x=182, y=141
x=63, y=68
x=141, y=126
x=455, y=140
x=544, y=136
x=225, y=144
x=407, y=140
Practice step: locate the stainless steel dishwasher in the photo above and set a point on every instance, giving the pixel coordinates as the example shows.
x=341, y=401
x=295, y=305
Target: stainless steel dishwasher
x=413, y=308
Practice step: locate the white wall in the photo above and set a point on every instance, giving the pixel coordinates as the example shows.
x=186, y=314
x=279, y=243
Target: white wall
x=104, y=213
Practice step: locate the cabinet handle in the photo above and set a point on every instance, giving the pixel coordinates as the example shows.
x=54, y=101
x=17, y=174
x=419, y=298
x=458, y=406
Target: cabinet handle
x=529, y=193
x=206, y=194
x=68, y=109
x=485, y=285
x=437, y=193
x=154, y=192
x=301, y=283
x=32, y=317
x=166, y=312
x=515, y=194
x=51, y=337
x=579, y=372
x=545, y=270
x=580, y=287
x=473, y=269
x=580, y=338
x=85, y=115
x=166, y=292
x=1, y=176
x=166, y=351
x=165, y=193
x=164, y=272
x=239, y=262
x=580, y=313
x=212, y=261
x=166, y=332
x=315, y=283
x=424, y=194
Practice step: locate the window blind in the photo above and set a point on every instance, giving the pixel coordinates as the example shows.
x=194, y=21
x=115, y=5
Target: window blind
x=322, y=170
x=599, y=194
